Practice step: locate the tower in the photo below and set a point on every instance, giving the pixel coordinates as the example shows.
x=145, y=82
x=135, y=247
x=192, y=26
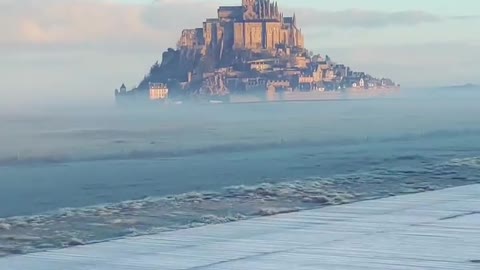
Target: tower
x=123, y=89
x=249, y=9
x=248, y=5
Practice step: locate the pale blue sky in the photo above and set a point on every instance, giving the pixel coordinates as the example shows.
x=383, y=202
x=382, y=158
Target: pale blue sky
x=80, y=50
x=453, y=7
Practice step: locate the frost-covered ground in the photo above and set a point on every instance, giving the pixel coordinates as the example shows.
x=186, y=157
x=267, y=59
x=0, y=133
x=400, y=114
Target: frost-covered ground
x=71, y=178
x=430, y=230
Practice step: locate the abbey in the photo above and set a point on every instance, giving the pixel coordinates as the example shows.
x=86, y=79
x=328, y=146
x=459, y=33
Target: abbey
x=248, y=50
x=256, y=25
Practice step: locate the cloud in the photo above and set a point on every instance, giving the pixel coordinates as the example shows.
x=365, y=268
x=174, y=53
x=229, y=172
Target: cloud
x=465, y=17
x=110, y=25
x=425, y=64
x=87, y=23
x=357, y=18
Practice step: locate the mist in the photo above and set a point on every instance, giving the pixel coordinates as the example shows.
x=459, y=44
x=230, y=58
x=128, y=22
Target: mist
x=81, y=174
x=78, y=168
x=93, y=132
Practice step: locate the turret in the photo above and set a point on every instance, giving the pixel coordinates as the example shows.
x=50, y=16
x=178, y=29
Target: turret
x=269, y=9
x=248, y=3
x=262, y=9
x=249, y=7
x=123, y=89
x=265, y=9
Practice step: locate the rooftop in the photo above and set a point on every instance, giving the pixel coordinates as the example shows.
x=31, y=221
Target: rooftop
x=433, y=230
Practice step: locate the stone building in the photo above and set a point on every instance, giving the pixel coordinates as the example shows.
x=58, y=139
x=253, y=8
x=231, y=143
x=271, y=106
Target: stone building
x=256, y=25
x=250, y=49
x=158, y=91
x=191, y=38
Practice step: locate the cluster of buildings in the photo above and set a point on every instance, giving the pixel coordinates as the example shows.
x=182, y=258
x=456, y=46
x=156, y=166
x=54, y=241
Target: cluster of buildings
x=298, y=72
x=254, y=49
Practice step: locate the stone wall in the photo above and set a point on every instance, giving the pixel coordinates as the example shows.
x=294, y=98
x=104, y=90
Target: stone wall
x=253, y=35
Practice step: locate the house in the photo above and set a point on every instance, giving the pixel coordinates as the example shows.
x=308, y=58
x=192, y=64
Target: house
x=158, y=91
x=361, y=83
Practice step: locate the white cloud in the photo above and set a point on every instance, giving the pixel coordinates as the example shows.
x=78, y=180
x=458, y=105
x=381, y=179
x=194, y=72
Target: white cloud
x=358, y=18
x=95, y=22
x=103, y=23
x=428, y=64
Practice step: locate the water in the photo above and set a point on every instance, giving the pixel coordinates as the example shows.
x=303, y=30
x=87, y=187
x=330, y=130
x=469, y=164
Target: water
x=72, y=177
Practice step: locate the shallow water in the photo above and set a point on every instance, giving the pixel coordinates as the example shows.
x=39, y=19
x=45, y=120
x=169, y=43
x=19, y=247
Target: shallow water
x=71, y=178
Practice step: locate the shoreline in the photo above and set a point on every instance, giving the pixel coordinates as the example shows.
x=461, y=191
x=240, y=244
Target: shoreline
x=349, y=94
x=209, y=220
x=280, y=235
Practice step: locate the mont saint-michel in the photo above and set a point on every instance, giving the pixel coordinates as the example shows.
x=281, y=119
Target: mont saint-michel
x=249, y=53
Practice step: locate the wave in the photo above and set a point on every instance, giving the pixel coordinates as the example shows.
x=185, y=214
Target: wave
x=79, y=226
x=473, y=162
x=151, y=149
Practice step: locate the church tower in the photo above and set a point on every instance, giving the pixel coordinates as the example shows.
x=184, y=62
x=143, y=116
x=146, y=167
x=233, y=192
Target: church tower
x=248, y=3
x=249, y=9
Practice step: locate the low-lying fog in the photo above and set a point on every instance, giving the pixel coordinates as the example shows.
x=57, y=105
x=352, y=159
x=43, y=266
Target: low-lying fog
x=73, y=176
x=64, y=135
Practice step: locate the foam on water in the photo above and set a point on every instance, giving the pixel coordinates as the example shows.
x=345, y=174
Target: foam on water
x=5, y=226
x=77, y=226
x=473, y=162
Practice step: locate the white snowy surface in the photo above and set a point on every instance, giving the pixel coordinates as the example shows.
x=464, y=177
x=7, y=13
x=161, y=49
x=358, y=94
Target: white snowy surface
x=433, y=230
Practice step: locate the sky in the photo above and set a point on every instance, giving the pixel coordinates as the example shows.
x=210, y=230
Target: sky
x=67, y=51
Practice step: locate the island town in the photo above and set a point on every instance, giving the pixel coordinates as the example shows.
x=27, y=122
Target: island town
x=249, y=53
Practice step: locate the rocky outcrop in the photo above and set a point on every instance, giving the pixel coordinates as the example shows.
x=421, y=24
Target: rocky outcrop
x=174, y=68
